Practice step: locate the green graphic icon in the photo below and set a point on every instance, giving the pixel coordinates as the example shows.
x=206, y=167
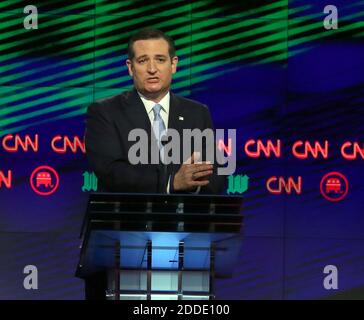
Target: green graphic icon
x=89, y=181
x=238, y=184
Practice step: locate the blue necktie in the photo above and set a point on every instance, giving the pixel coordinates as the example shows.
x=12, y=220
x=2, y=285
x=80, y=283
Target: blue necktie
x=159, y=128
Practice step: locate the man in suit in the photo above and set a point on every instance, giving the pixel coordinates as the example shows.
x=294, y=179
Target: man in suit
x=151, y=63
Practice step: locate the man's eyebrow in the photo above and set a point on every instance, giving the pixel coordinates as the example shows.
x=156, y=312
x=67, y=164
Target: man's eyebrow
x=143, y=56
x=146, y=56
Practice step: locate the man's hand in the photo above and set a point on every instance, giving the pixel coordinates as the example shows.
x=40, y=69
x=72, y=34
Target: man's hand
x=192, y=174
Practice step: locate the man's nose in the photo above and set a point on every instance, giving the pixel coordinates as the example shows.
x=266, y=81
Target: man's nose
x=152, y=68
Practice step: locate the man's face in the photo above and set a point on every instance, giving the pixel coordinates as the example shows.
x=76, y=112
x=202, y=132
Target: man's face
x=152, y=67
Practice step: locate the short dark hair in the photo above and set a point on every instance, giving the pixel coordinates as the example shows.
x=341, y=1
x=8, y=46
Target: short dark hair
x=150, y=33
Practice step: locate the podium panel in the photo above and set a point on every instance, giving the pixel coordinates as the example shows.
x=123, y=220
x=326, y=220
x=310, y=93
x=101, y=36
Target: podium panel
x=160, y=246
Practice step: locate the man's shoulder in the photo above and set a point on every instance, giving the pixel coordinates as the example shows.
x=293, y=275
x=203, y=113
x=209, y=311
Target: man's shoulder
x=109, y=104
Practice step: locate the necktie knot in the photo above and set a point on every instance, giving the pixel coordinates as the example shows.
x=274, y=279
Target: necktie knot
x=157, y=110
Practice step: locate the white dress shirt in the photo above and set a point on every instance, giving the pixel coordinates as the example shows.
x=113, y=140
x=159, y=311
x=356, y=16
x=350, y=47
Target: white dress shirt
x=164, y=103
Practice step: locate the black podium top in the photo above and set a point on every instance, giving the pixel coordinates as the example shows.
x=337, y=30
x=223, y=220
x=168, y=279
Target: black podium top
x=132, y=212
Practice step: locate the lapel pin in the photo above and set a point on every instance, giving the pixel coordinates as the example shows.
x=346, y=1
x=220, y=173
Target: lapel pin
x=180, y=118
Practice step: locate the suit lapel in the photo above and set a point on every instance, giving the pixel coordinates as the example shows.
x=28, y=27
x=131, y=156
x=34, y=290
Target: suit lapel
x=175, y=121
x=136, y=112
x=175, y=114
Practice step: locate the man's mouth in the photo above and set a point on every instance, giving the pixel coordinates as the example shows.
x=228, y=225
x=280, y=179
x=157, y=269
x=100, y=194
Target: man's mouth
x=153, y=79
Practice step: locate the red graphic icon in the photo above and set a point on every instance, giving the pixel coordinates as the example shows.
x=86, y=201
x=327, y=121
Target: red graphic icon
x=334, y=186
x=42, y=180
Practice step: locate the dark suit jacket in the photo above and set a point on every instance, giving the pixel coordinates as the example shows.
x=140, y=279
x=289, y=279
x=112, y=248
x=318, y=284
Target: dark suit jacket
x=108, y=124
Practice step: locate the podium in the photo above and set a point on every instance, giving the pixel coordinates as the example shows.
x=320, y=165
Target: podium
x=160, y=246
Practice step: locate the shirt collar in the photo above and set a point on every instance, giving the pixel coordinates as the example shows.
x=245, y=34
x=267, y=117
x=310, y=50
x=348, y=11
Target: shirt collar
x=149, y=104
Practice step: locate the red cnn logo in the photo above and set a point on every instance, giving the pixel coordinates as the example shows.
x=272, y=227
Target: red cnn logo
x=355, y=150
x=302, y=150
x=13, y=143
x=227, y=149
x=279, y=185
x=6, y=180
x=267, y=149
x=62, y=144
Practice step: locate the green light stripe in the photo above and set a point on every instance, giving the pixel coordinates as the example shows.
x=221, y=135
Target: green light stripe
x=317, y=24
x=73, y=49
x=277, y=5
x=55, y=77
x=163, y=13
x=14, y=65
x=270, y=49
x=293, y=11
x=10, y=20
x=205, y=77
x=45, y=24
x=292, y=53
x=276, y=58
x=279, y=31
x=38, y=101
x=322, y=32
x=74, y=102
x=219, y=30
x=105, y=8
x=101, y=31
x=359, y=25
x=66, y=115
x=37, y=81
x=185, y=93
x=8, y=96
x=109, y=19
x=5, y=3
x=65, y=7
x=73, y=6
x=234, y=47
x=118, y=59
x=200, y=78
x=104, y=93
